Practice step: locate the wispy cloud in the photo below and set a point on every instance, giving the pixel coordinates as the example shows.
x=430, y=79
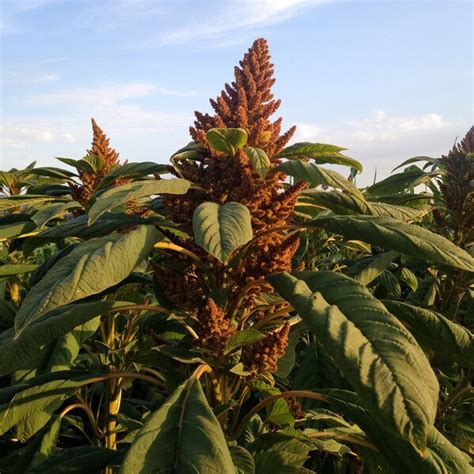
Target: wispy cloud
x=382, y=140
x=104, y=95
x=235, y=15
x=17, y=134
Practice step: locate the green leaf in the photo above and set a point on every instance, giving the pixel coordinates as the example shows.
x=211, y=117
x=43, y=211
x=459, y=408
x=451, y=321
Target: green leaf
x=91, y=267
x=433, y=331
x=222, y=229
x=321, y=153
x=15, y=352
x=132, y=171
x=78, y=460
x=14, y=201
x=53, y=172
x=48, y=442
x=242, y=460
x=417, y=159
x=367, y=270
x=53, y=211
x=11, y=270
x=400, y=182
x=408, y=239
x=30, y=409
x=10, y=231
x=227, y=140
x=182, y=436
x=377, y=355
x=338, y=202
x=259, y=160
x=403, y=213
x=120, y=195
x=409, y=278
x=317, y=176
x=279, y=453
x=242, y=338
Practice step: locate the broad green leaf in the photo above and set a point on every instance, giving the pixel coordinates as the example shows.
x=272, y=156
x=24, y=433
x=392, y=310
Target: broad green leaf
x=408, y=239
x=434, y=331
x=119, y=195
x=78, y=460
x=221, y=229
x=391, y=284
x=402, y=213
x=14, y=229
x=14, y=201
x=242, y=338
x=48, y=442
x=53, y=211
x=95, y=162
x=400, y=182
x=68, y=346
x=53, y=172
x=280, y=453
x=417, y=159
x=377, y=355
x=321, y=154
x=243, y=460
x=133, y=171
x=182, y=436
x=11, y=269
x=409, y=278
x=367, y=270
x=15, y=352
x=259, y=160
x=439, y=457
x=91, y=267
x=317, y=176
x=227, y=140
x=338, y=202
x=30, y=409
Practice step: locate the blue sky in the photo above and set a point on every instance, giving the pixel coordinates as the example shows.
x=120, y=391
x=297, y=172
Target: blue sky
x=386, y=79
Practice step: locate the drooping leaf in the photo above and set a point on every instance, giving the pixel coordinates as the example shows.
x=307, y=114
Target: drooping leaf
x=91, y=267
x=336, y=201
x=221, y=229
x=368, y=269
x=132, y=171
x=53, y=211
x=15, y=229
x=242, y=338
x=227, y=140
x=182, y=436
x=321, y=153
x=18, y=269
x=400, y=182
x=30, y=409
x=377, y=355
x=317, y=176
x=408, y=239
x=436, y=332
x=53, y=172
x=77, y=460
x=259, y=160
x=119, y=195
x=242, y=460
x=21, y=200
x=15, y=352
x=48, y=443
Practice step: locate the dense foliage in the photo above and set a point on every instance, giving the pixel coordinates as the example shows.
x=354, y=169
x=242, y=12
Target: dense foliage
x=243, y=309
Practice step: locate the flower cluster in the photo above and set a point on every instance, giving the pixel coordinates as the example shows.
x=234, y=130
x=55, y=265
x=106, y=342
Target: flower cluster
x=213, y=328
x=457, y=186
x=262, y=356
x=109, y=159
x=246, y=103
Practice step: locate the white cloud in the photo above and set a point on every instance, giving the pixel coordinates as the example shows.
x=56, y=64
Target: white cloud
x=45, y=78
x=382, y=141
x=103, y=95
x=238, y=15
x=22, y=134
